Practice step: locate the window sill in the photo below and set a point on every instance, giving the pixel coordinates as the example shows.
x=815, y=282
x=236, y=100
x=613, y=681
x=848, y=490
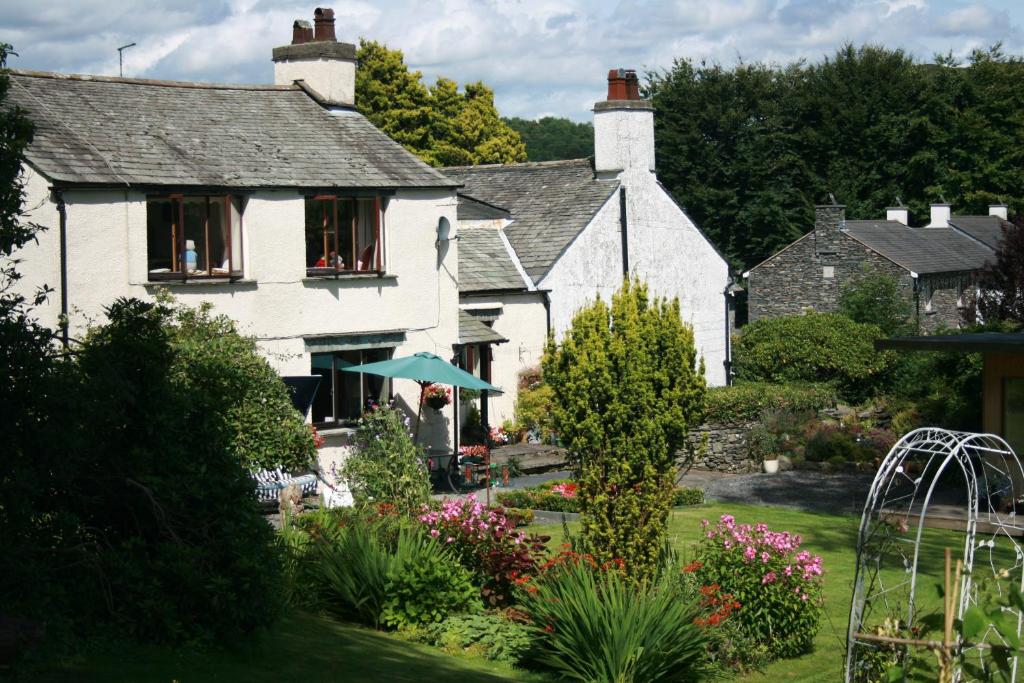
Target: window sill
x=335, y=431
x=310, y=277
x=199, y=281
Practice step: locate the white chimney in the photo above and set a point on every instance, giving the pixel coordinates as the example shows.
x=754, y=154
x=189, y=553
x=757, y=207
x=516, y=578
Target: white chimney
x=998, y=210
x=900, y=214
x=317, y=58
x=623, y=126
x=940, y=216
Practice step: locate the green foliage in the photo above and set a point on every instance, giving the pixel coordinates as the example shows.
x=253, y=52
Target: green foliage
x=541, y=497
x=597, y=626
x=492, y=635
x=627, y=386
x=815, y=347
x=778, y=586
x=685, y=496
x=763, y=443
x=944, y=388
x=1001, y=283
x=751, y=149
x=424, y=583
x=746, y=401
x=386, y=466
x=346, y=571
x=875, y=298
x=533, y=409
x=439, y=124
x=550, y=138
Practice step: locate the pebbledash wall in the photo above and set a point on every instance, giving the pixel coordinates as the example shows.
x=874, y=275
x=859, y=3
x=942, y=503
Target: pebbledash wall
x=274, y=301
x=810, y=273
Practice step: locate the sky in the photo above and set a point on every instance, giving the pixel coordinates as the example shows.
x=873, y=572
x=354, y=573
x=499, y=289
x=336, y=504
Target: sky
x=541, y=57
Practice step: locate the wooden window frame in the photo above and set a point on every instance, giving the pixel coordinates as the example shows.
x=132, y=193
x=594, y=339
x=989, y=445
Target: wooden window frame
x=177, y=273
x=335, y=390
x=378, y=237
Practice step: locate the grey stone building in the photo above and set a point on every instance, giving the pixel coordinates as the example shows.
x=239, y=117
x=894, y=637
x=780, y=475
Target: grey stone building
x=934, y=264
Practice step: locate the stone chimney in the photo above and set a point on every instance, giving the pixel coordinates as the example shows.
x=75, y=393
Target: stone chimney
x=940, y=216
x=998, y=210
x=829, y=221
x=623, y=126
x=317, y=58
x=900, y=214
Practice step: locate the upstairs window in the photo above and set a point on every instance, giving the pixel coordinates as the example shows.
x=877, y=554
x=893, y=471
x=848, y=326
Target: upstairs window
x=343, y=235
x=193, y=236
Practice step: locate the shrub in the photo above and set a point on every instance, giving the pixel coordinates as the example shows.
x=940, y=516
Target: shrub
x=486, y=543
x=816, y=347
x=748, y=401
x=944, y=387
x=347, y=568
x=627, y=386
x=493, y=636
x=688, y=496
x=533, y=410
x=424, y=583
x=386, y=465
x=875, y=298
x=543, y=497
x=777, y=585
x=835, y=444
x=597, y=626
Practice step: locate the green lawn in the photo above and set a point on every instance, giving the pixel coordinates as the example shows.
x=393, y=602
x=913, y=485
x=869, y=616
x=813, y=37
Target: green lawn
x=310, y=648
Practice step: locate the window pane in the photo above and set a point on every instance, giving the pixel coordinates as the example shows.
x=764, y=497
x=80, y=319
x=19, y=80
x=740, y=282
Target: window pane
x=365, y=236
x=217, y=235
x=349, y=398
x=321, y=250
x=323, y=410
x=345, y=215
x=194, y=257
x=236, y=235
x=159, y=247
x=376, y=389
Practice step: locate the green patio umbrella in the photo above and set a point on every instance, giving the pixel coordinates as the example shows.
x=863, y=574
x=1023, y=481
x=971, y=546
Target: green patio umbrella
x=425, y=369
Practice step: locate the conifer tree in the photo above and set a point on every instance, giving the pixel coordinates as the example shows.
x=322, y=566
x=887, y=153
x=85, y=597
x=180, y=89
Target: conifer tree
x=627, y=386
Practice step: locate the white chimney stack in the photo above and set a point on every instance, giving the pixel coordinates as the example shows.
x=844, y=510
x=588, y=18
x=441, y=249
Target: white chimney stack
x=940, y=216
x=317, y=58
x=900, y=214
x=998, y=210
x=623, y=126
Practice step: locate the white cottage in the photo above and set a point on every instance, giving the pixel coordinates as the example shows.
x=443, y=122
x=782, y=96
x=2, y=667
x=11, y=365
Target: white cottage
x=280, y=205
x=539, y=240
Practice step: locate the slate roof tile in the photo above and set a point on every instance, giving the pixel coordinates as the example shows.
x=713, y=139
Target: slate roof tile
x=922, y=250
x=472, y=331
x=986, y=229
x=120, y=131
x=484, y=262
x=550, y=203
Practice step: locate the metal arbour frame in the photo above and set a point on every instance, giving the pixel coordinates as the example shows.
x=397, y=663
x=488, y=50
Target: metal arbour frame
x=899, y=501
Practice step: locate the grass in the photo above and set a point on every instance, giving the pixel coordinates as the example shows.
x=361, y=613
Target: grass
x=312, y=648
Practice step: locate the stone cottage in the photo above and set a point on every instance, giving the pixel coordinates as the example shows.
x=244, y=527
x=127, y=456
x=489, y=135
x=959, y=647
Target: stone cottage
x=280, y=205
x=539, y=240
x=934, y=264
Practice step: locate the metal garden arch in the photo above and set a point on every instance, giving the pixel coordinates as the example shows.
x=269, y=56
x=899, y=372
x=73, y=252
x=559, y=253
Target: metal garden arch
x=902, y=501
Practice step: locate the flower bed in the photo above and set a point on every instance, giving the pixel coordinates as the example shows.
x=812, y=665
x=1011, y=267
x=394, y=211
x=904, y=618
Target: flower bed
x=559, y=495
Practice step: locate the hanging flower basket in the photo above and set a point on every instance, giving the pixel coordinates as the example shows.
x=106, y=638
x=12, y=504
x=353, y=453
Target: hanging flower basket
x=437, y=396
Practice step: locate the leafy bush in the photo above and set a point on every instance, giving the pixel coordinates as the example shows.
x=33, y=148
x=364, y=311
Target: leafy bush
x=597, y=626
x=748, y=401
x=492, y=635
x=816, y=347
x=424, y=583
x=533, y=410
x=627, y=388
x=519, y=516
x=944, y=387
x=777, y=585
x=542, y=497
x=688, y=496
x=347, y=568
x=876, y=298
x=386, y=465
x=486, y=543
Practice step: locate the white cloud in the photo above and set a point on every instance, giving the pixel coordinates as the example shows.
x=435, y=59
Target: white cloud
x=538, y=55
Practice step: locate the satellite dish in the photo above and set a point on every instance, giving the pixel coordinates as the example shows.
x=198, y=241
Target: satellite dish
x=444, y=229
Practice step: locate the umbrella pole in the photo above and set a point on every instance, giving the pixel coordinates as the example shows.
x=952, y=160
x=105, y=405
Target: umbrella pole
x=419, y=409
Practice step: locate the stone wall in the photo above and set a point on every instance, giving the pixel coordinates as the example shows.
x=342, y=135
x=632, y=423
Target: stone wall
x=726, y=448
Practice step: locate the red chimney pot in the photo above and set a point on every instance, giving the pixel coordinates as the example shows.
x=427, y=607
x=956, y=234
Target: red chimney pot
x=323, y=18
x=302, y=32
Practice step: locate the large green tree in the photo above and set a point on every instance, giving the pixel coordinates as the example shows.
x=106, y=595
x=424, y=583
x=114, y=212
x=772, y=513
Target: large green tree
x=749, y=150
x=440, y=124
x=627, y=386
x=550, y=138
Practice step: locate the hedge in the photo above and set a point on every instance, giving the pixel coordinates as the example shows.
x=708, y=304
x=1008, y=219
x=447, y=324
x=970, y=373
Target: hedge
x=746, y=401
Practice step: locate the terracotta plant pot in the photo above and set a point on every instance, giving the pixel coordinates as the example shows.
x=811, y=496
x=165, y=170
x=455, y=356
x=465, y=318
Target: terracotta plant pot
x=771, y=466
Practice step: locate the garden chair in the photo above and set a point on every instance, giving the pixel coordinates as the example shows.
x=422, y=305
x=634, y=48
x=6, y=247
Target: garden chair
x=270, y=483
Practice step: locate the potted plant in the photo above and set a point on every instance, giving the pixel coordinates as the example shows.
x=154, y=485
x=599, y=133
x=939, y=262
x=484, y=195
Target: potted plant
x=764, y=445
x=437, y=396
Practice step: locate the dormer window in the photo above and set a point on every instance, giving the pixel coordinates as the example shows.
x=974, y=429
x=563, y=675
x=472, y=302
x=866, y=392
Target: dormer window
x=193, y=236
x=343, y=235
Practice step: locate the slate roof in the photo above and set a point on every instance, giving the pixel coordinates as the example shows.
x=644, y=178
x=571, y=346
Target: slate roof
x=550, y=203
x=472, y=331
x=473, y=209
x=484, y=262
x=986, y=229
x=922, y=250
x=119, y=131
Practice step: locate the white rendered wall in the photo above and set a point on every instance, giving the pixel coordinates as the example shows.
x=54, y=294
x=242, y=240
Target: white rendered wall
x=623, y=138
x=666, y=250
x=334, y=79
x=274, y=302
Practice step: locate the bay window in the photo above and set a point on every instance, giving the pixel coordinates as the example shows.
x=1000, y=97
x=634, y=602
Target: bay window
x=344, y=396
x=343, y=235
x=193, y=236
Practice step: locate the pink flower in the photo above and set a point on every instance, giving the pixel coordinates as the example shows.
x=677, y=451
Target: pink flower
x=768, y=578
x=749, y=553
x=434, y=533
x=765, y=557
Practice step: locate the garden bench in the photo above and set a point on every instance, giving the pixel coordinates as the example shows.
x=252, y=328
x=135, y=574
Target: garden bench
x=270, y=483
